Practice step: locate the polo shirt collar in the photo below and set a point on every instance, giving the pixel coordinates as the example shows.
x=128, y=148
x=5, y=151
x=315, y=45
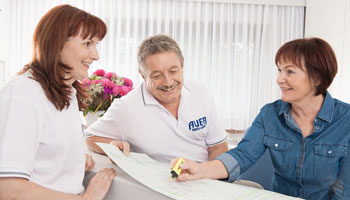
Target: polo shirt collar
x=148, y=98
x=326, y=112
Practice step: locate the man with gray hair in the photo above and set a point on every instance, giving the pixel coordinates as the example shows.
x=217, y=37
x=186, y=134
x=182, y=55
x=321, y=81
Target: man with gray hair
x=164, y=117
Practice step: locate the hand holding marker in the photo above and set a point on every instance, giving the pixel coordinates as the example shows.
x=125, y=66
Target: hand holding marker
x=176, y=170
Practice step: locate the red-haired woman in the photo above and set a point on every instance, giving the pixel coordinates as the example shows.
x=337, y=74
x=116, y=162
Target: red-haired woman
x=307, y=131
x=42, y=154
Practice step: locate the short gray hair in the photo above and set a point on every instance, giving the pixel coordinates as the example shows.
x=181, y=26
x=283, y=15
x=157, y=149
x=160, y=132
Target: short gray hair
x=157, y=44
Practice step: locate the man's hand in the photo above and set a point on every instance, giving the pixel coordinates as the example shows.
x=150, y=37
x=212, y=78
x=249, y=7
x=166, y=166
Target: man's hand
x=124, y=146
x=91, y=143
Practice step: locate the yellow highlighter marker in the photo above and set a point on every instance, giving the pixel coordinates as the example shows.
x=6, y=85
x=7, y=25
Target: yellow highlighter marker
x=176, y=170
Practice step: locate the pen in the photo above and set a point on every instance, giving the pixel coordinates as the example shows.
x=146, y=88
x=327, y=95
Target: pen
x=176, y=170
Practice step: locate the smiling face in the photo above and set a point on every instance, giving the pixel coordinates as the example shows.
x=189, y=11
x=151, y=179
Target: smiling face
x=79, y=53
x=294, y=83
x=163, y=77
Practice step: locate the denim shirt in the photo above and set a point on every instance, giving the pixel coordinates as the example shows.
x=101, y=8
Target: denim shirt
x=316, y=167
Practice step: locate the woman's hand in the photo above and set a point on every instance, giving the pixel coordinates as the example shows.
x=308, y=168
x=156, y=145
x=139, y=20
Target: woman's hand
x=191, y=170
x=124, y=146
x=99, y=185
x=89, y=162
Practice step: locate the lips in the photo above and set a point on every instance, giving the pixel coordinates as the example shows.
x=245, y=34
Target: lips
x=285, y=89
x=86, y=64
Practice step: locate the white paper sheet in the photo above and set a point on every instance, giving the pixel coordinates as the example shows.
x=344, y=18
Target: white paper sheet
x=156, y=176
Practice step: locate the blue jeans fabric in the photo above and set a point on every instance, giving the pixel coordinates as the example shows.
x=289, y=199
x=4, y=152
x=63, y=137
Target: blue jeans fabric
x=316, y=167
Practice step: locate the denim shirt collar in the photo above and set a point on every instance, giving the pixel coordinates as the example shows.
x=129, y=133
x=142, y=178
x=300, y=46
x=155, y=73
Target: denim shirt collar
x=326, y=112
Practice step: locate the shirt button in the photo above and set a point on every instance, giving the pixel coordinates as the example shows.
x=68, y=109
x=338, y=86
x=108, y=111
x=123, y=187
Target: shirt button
x=329, y=152
x=276, y=145
x=317, y=127
x=315, y=120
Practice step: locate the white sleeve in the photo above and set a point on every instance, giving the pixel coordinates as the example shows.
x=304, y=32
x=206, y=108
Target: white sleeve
x=107, y=125
x=216, y=132
x=19, y=136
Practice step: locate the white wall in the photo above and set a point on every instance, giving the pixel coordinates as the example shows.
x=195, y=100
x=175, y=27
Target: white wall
x=330, y=20
x=4, y=37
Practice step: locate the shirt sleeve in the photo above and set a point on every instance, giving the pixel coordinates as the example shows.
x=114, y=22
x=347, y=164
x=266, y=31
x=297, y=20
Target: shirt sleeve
x=19, y=136
x=231, y=165
x=107, y=125
x=248, y=151
x=216, y=132
x=341, y=187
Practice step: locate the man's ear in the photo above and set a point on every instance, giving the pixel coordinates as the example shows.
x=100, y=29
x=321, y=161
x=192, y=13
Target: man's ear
x=141, y=73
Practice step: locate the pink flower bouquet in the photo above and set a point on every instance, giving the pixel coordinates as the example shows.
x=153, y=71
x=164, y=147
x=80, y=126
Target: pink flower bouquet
x=104, y=88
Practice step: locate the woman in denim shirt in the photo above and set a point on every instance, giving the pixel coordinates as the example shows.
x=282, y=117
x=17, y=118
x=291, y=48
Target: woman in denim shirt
x=306, y=132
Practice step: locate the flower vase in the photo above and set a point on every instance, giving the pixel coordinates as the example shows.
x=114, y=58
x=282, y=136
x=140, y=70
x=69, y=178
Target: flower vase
x=91, y=117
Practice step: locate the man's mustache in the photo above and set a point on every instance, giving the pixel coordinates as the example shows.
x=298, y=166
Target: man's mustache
x=167, y=88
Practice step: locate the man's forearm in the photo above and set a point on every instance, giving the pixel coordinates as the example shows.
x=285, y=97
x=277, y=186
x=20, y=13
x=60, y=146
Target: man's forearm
x=217, y=150
x=91, y=143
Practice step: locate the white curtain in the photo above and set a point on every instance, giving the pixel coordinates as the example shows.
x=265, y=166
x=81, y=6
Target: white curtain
x=229, y=47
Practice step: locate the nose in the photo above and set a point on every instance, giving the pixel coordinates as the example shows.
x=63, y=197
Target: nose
x=167, y=79
x=94, y=54
x=280, y=78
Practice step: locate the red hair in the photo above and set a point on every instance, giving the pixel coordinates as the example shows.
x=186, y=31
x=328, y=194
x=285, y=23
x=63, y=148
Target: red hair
x=318, y=57
x=50, y=35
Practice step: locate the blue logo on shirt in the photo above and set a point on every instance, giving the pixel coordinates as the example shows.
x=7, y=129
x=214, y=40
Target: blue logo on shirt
x=197, y=124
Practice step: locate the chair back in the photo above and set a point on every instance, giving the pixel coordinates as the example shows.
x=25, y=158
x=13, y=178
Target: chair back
x=261, y=172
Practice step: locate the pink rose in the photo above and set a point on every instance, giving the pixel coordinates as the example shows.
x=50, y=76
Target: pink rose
x=96, y=81
x=109, y=75
x=107, y=83
x=116, y=90
x=100, y=72
x=125, y=90
x=127, y=82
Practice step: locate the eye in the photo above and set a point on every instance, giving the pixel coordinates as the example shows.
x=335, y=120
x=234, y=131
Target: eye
x=290, y=72
x=174, y=70
x=87, y=44
x=156, y=75
x=279, y=70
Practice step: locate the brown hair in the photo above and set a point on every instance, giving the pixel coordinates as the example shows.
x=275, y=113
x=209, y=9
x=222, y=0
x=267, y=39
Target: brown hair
x=50, y=35
x=318, y=57
x=157, y=44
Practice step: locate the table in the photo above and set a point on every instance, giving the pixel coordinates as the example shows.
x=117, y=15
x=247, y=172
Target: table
x=123, y=186
x=126, y=187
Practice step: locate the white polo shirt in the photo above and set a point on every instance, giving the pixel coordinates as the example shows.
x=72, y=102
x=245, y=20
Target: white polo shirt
x=38, y=142
x=139, y=119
